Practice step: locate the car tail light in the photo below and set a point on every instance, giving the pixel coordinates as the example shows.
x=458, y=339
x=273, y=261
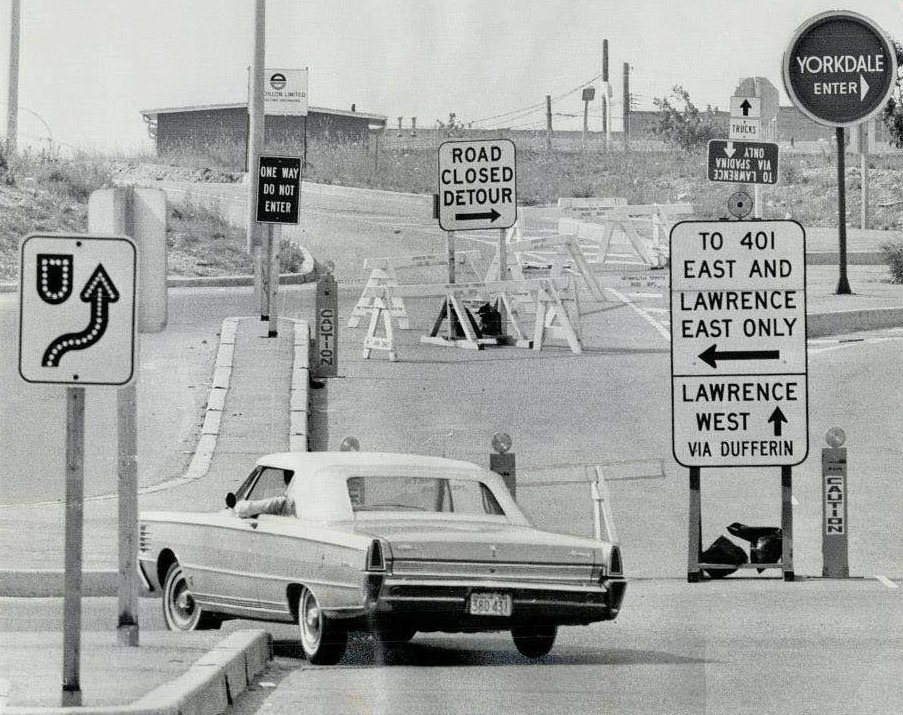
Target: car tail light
x=616, y=568
x=376, y=559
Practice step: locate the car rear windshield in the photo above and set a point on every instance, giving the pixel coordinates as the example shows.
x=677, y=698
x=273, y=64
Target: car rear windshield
x=431, y=494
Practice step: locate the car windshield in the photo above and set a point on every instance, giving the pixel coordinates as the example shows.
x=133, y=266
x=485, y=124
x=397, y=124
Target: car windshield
x=428, y=494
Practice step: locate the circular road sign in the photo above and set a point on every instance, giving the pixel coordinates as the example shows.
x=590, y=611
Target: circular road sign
x=839, y=68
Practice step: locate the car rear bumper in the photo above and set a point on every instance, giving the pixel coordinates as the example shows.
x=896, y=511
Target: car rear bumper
x=439, y=605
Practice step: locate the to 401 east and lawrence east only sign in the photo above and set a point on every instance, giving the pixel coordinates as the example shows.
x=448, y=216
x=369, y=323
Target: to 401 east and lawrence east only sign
x=738, y=343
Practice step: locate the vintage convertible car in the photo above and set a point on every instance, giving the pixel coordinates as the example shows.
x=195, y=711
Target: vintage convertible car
x=386, y=543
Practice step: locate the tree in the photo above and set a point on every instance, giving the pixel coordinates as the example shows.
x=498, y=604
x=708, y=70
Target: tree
x=680, y=122
x=892, y=114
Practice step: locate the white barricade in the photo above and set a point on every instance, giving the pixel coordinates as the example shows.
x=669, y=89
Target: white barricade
x=383, y=271
x=556, y=318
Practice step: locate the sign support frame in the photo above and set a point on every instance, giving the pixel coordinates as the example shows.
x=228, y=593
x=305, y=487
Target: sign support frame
x=695, y=565
x=74, y=541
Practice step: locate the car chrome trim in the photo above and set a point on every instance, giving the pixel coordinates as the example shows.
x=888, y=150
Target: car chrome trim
x=444, y=599
x=494, y=583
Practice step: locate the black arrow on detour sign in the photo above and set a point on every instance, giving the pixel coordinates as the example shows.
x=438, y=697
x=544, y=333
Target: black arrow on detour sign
x=482, y=216
x=777, y=417
x=711, y=355
x=99, y=291
x=746, y=106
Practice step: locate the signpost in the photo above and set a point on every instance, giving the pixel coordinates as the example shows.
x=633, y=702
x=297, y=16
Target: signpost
x=477, y=191
x=77, y=324
x=278, y=202
x=738, y=353
x=839, y=70
x=743, y=162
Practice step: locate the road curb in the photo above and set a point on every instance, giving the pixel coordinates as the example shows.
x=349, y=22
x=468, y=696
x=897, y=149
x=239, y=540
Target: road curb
x=48, y=583
x=209, y=686
x=819, y=325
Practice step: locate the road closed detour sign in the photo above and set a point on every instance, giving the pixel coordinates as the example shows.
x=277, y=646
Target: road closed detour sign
x=477, y=184
x=738, y=343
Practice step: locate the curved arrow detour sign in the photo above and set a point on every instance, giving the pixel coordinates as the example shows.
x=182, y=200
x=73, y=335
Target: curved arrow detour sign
x=738, y=343
x=77, y=309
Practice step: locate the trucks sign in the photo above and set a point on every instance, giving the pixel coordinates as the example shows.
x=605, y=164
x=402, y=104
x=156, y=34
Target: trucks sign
x=477, y=184
x=743, y=162
x=738, y=343
x=839, y=68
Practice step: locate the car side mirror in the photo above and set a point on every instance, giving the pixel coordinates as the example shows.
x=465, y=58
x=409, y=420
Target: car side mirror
x=230, y=500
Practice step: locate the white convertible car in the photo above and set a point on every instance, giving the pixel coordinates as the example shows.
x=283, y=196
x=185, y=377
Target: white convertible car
x=386, y=543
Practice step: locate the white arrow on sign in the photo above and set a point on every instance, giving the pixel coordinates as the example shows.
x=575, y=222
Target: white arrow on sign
x=863, y=88
x=729, y=148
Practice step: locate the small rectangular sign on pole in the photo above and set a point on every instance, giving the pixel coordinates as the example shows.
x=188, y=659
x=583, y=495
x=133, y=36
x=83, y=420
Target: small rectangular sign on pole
x=278, y=189
x=285, y=92
x=834, y=513
x=742, y=162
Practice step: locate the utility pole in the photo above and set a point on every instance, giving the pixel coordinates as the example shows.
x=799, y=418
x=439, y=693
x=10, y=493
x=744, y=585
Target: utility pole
x=548, y=122
x=12, y=92
x=256, y=125
x=606, y=128
x=626, y=104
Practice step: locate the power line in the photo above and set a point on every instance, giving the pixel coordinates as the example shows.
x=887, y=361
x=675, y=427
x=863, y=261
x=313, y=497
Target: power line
x=532, y=108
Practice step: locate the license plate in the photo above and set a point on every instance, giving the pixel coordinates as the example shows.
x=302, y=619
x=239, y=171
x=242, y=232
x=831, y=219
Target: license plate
x=490, y=604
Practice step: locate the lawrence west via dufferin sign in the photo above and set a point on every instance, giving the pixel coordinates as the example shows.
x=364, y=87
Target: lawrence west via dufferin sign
x=738, y=343
x=278, y=189
x=743, y=162
x=477, y=184
x=839, y=68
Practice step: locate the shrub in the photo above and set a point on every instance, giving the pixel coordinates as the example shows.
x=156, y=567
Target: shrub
x=685, y=127
x=893, y=254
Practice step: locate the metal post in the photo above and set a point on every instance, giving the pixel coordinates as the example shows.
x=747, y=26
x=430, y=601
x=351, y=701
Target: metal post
x=503, y=275
x=72, y=585
x=256, y=123
x=505, y=465
x=606, y=126
x=626, y=104
x=835, y=560
x=605, y=129
x=757, y=201
x=324, y=359
x=12, y=89
x=127, y=410
x=585, y=123
x=694, y=544
x=449, y=311
x=843, y=285
x=274, y=237
x=787, y=522
x=549, y=122
x=863, y=130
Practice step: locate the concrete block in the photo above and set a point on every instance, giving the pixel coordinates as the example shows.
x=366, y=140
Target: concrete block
x=224, y=355
x=212, y=420
x=300, y=379
x=216, y=400
x=298, y=401
x=221, y=377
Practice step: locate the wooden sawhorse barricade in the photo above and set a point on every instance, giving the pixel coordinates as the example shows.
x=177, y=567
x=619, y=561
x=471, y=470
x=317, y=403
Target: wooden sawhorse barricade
x=625, y=218
x=383, y=272
x=566, y=251
x=554, y=300
x=695, y=566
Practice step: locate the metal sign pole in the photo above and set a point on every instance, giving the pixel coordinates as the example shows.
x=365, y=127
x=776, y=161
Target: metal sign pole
x=843, y=285
x=449, y=312
x=127, y=411
x=72, y=585
x=694, y=543
x=274, y=236
x=787, y=522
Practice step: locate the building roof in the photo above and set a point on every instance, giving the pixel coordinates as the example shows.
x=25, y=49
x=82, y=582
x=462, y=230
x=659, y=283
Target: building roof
x=148, y=113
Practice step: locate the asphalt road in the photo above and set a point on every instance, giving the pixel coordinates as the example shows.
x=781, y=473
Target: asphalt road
x=746, y=645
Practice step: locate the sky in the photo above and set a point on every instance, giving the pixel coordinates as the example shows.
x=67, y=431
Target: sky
x=88, y=67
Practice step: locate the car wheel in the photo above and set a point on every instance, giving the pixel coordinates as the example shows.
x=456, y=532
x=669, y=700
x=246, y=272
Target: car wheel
x=180, y=611
x=395, y=634
x=323, y=639
x=534, y=641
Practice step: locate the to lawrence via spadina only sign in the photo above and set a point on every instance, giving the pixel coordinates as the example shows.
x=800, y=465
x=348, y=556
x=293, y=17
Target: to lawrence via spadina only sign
x=743, y=162
x=278, y=189
x=839, y=68
x=477, y=184
x=77, y=309
x=738, y=343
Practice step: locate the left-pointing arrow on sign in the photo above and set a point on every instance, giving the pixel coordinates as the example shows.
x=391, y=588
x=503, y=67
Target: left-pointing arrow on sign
x=711, y=355
x=99, y=291
x=482, y=216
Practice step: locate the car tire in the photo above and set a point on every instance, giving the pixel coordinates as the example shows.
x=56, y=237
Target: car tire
x=180, y=611
x=395, y=634
x=322, y=638
x=534, y=641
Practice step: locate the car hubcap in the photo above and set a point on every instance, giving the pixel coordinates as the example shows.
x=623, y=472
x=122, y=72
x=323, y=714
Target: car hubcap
x=183, y=608
x=311, y=621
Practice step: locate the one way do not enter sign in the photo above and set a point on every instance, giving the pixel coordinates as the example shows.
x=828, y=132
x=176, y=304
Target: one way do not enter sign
x=738, y=343
x=477, y=184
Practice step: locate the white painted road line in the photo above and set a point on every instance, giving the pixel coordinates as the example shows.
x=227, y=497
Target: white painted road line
x=663, y=331
x=885, y=581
